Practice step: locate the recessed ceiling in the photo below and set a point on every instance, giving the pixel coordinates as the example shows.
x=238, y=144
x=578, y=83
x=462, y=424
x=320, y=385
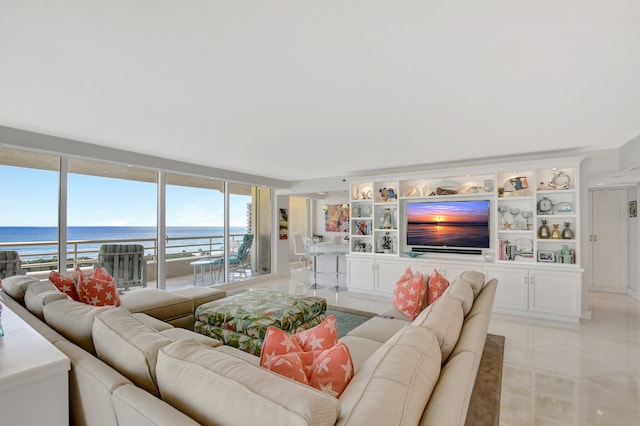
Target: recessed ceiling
x=299, y=90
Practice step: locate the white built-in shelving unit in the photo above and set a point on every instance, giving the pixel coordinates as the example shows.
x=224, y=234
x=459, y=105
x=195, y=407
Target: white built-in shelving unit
x=539, y=272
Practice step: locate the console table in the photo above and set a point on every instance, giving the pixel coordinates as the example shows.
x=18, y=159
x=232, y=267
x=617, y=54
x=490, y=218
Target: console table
x=34, y=376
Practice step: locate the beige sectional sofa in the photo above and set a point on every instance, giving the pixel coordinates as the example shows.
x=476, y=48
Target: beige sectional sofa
x=142, y=372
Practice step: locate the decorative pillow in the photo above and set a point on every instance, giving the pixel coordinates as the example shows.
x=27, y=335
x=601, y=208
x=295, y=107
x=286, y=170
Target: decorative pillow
x=65, y=284
x=408, y=274
x=437, y=285
x=313, y=357
x=408, y=296
x=279, y=342
x=98, y=289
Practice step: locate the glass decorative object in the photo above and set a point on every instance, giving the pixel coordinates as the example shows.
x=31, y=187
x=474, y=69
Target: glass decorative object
x=555, y=234
x=543, y=230
x=567, y=233
x=386, y=220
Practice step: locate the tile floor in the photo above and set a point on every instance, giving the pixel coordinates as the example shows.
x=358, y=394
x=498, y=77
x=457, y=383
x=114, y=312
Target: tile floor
x=554, y=374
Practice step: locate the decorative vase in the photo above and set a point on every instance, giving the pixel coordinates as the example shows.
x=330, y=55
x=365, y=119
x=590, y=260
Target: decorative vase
x=555, y=234
x=386, y=221
x=567, y=233
x=488, y=185
x=543, y=230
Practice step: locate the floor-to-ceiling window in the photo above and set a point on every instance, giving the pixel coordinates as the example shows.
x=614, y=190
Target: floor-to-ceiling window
x=110, y=204
x=29, y=209
x=194, y=228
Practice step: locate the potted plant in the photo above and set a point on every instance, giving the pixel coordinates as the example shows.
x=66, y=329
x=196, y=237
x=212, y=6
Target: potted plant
x=386, y=243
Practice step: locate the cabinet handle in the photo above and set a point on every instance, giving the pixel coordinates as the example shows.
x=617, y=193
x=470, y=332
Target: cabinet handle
x=595, y=238
x=531, y=281
x=526, y=280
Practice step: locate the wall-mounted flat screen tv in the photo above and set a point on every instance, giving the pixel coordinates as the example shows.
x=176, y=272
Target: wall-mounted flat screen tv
x=448, y=223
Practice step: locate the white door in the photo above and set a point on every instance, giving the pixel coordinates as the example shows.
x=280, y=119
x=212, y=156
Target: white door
x=608, y=238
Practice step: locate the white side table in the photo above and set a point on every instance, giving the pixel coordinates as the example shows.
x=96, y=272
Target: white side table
x=34, y=376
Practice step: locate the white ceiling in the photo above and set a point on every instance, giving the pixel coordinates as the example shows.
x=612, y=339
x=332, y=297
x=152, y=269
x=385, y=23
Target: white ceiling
x=296, y=89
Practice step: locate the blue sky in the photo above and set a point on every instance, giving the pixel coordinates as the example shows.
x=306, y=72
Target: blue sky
x=30, y=199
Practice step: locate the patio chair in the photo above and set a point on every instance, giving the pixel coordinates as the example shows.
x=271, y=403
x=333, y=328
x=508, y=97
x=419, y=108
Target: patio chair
x=125, y=263
x=10, y=263
x=241, y=261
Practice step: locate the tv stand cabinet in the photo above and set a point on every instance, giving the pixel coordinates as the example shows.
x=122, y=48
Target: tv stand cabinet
x=539, y=275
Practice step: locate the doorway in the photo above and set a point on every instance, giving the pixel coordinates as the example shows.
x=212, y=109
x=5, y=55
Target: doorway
x=609, y=240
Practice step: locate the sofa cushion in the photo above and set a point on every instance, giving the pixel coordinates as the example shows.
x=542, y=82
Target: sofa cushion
x=155, y=323
x=437, y=285
x=360, y=349
x=98, y=289
x=176, y=333
x=91, y=383
x=473, y=335
x=161, y=304
x=461, y=290
x=134, y=406
x=66, y=285
x=476, y=279
x=409, y=295
x=393, y=386
x=484, y=301
x=39, y=294
x=213, y=387
x=16, y=285
x=129, y=346
x=378, y=329
x=445, y=318
x=201, y=295
x=74, y=320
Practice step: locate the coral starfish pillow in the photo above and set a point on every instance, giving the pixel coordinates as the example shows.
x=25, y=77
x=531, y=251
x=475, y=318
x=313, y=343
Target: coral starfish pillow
x=437, y=285
x=279, y=342
x=313, y=357
x=67, y=285
x=98, y=289
x=409, y=294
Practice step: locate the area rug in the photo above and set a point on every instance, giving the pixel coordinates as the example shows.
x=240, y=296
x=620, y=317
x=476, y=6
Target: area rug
x=484, y=407
x=347, y=319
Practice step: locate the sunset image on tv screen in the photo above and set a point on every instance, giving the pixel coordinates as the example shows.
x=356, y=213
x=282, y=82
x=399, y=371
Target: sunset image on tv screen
x=448, y=223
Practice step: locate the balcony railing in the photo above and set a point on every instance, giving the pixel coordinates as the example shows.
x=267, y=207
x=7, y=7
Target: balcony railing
x=84, y=253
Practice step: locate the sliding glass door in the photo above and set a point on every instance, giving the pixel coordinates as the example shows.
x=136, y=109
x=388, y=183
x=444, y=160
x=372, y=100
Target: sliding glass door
x=110, y=208
x=194, y=230
x=29, y=213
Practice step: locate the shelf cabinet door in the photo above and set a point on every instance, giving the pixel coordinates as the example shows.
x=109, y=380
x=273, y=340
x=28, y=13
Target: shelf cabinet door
x=361, y=274
x=387, y=275
x=512, y=292
x=555, y=293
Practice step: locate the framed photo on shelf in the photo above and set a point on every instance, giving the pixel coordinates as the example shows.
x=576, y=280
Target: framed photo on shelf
x=546, y=256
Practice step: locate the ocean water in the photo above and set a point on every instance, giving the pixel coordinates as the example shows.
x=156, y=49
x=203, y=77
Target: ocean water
x=24, y=234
